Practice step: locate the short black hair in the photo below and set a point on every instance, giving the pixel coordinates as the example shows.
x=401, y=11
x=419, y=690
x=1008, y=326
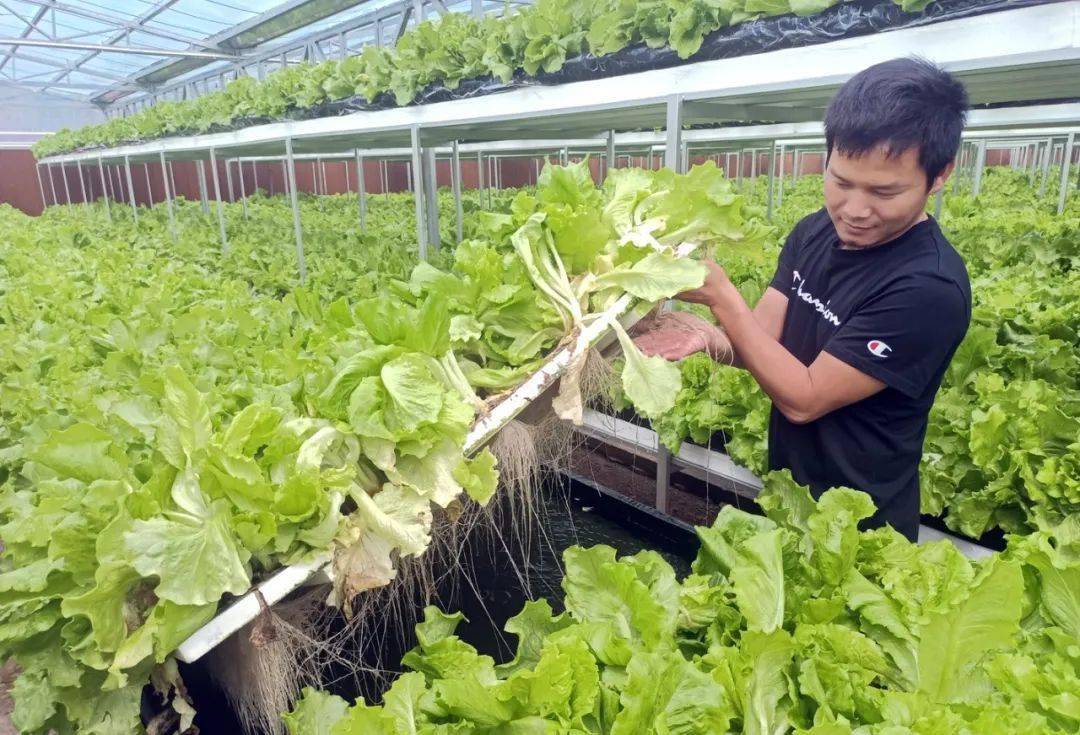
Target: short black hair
x=901, y=104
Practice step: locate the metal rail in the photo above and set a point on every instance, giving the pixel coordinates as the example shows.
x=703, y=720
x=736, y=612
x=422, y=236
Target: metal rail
x=710, y=467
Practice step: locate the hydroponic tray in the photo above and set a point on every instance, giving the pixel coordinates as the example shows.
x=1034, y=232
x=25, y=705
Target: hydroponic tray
x=711, y=467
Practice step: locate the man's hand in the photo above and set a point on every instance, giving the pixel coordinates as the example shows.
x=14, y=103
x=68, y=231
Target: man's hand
x=718, y=292
x=679, y=334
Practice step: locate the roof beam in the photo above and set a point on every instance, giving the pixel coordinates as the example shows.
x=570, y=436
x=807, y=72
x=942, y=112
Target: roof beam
x=119, y=49
x=46, y=61
x=30, y=23
x=39, y=86
x=264, y=27
x=150, y=13
x=118, y=21
x=26, y=32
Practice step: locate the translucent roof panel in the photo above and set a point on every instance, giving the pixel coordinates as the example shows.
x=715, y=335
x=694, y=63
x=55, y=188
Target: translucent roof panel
x=105, y=50
x=99, y=46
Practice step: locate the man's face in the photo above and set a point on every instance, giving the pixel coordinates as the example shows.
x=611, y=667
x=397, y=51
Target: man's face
x=874, y=198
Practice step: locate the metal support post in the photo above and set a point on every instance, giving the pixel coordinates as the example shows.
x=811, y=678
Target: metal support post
x=663, y=477
x=676, y=161
x=254, y=177
x=203, y=196
x=82, y=184
x=610, y=160
x=455, y=171
x=119, y=190
x=684, y=158
x=409, y=179
x=780, y=177
x=104, y=193
x=172, y=178
x=149, y=189
x=217, y=202
x=384, y=178
x=431, y=197
x=772, y=172
x=131, y=189
x=168, y=193
x=109, y=183
x=290, y=168
x=564, y=156
x=361, y=190
x=41, y=186
x=673, y=144
x=229, y=181
x=67, y=191
x=243, y=187
x=980, y=163
x=418, y=197
x=52, y=186
x=796, y=165
x=1044, y=166
x=480, y=174
x=1066, y=159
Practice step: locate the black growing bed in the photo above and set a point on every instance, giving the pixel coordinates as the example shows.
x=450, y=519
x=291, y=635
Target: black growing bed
x=577, y=512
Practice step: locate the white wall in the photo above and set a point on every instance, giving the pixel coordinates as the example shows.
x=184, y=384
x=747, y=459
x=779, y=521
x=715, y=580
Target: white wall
x=26, y=111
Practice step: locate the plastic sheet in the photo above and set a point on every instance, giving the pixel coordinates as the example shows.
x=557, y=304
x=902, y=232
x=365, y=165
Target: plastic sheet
x=844, y=20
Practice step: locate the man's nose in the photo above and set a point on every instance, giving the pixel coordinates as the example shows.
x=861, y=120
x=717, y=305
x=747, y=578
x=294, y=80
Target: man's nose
x=858, y=207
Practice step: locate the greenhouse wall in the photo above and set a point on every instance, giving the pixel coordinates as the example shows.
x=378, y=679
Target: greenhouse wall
x=25, y=117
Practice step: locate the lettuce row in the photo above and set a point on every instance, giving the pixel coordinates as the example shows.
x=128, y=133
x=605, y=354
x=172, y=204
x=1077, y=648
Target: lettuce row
x=176, y=423
x=792, y=623
x=534, y=39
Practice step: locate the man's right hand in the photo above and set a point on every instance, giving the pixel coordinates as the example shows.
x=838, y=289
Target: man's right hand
x=679, y=334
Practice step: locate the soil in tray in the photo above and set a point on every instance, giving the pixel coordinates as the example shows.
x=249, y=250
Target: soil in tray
x=496, y=584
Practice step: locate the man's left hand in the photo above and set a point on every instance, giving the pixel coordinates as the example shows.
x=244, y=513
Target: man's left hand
x=718, y=292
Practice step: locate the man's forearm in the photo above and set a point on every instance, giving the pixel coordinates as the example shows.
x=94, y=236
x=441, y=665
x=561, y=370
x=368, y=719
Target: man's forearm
x=781, y=375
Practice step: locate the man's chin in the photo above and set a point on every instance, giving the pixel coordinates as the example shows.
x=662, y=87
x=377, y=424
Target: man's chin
x=859, y=238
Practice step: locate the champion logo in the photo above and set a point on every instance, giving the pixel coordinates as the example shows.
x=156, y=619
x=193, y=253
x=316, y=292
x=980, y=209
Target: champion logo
x=815, y=303
x=878, y=348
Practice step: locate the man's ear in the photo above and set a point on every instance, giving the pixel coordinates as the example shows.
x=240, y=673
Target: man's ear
x=939, y=182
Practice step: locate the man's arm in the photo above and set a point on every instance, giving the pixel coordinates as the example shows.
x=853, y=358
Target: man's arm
x=769, y=313
x=802, y=394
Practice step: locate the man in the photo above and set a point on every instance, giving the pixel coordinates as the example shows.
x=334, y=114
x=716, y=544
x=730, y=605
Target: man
x=869, y=301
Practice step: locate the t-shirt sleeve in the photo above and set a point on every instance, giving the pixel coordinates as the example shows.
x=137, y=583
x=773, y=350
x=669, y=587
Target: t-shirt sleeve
x=904, y=335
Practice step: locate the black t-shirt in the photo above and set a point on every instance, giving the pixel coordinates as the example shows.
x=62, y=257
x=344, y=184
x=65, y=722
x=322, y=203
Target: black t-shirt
x=897, y=312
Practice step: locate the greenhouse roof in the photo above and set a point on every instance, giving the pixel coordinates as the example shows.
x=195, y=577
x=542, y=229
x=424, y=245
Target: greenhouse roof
x=103, y=51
